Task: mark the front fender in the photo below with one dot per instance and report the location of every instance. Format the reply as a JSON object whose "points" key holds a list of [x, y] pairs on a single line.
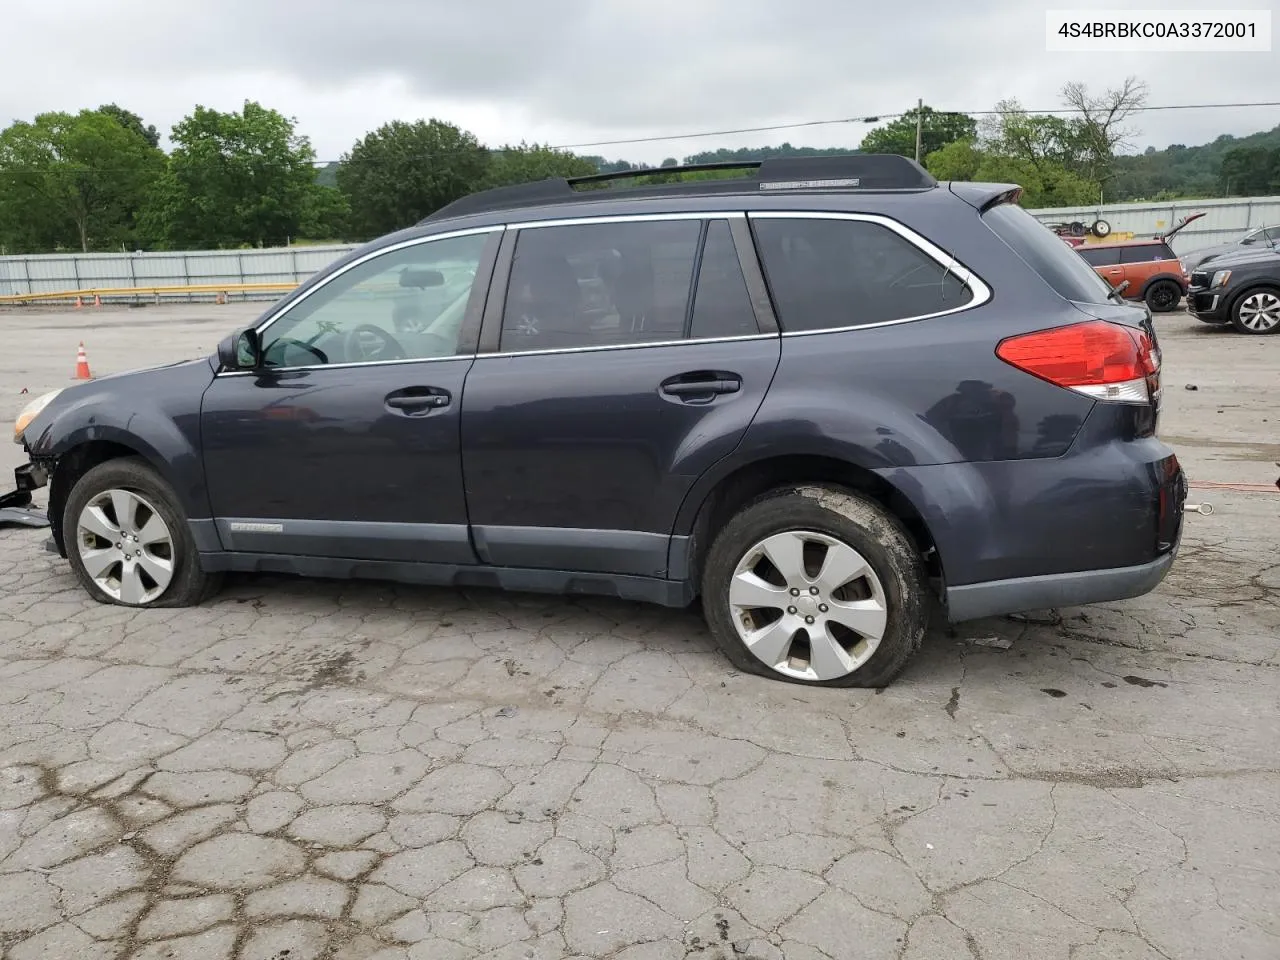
{"points": [[154, 413]]}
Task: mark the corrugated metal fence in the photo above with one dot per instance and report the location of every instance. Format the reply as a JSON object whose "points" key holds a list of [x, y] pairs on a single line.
{"points": [[51, 273], [1226, 220]]}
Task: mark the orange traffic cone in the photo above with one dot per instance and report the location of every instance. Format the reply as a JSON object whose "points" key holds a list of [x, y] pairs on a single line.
{"points": [[82, 365], [97, 300], [79, 304]]}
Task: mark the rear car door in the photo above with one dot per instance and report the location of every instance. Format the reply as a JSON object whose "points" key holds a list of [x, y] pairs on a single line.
{"points": [[620, 359], [345, 444]]}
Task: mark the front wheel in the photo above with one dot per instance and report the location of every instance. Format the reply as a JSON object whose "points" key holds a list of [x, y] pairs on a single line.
{"points": [[1258, 311], [817, 585], [128, 542], [1163, 296]]}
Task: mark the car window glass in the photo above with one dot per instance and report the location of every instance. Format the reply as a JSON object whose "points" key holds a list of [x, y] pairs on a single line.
{"points": [[829, 273], [721, 303], [1100, 256], [404, 304], [1144, 253], [599, 284], [1056, 263]]}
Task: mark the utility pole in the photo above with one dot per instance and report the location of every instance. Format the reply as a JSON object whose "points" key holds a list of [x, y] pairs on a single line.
{"points": [[919, 120]]}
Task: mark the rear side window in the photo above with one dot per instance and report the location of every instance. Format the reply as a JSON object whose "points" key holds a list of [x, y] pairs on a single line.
{"points": [[833, 273], [1100, 257], [1045, 253], [599, 284], [1145, 253], [721, 306]]}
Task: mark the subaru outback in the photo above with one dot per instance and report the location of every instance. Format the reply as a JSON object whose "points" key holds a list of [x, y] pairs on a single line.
{"points": [[828, 398]]}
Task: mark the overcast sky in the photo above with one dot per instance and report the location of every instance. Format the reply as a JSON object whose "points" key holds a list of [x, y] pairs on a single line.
{"points": [[573, 71]]}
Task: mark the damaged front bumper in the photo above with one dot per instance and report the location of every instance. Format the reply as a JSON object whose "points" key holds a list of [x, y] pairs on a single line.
{"points": [[15, 505]]}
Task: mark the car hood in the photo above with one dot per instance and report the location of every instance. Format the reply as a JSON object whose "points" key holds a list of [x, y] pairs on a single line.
{"points": [[1243, 257]]}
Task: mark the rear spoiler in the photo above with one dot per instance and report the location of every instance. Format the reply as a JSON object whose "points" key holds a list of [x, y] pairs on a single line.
{"points": [[983, 196]]}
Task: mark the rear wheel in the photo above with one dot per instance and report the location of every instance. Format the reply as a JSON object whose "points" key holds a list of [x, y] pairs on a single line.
{"points": [[128, 542], [1258, 311], [1163, 296], [816, 585]]}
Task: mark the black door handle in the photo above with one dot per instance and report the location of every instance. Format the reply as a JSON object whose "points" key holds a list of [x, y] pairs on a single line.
{"points": [[702, 386], [418, 400]]}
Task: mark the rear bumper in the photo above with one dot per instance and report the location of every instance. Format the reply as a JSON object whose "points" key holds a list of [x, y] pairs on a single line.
{"points": [[974, 600]]}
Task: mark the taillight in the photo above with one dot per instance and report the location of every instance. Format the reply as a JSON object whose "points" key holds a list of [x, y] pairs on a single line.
{"points": [[1102, 360]]}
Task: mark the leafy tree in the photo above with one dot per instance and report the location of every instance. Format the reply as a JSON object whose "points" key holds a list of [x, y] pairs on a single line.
{"points": [[1035, 138], [402, 172], [529, 162], [1044, 183], [937, 129], [73, 181], [325, 215], [234, 178], [1251, 171], [131, 121]]}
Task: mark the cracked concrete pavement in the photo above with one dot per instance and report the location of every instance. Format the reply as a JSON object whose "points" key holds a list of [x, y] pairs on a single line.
{"points": [[303, 770]]}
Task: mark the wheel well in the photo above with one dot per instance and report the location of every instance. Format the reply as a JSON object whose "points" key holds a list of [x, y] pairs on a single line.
{"points": [[71, 466], [745, 484], [1252, 288]]}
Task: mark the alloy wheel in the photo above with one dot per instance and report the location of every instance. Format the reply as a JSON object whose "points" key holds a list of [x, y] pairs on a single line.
{"points": [[125, 546], [808, 605], [1260, 311]]}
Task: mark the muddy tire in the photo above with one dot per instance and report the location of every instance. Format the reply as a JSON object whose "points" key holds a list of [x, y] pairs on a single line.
{"points": [[817, 585]]}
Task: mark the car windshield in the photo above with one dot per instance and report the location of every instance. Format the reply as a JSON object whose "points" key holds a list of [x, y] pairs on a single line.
{"points": [[1058, 264]]}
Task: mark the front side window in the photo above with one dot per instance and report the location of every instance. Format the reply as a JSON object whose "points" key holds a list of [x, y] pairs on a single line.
{"points": [[831, 273], [599, 285], [406, 304]]}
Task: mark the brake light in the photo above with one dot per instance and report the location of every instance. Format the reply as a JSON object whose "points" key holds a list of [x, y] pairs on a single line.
{"points": [[1102, 360]]}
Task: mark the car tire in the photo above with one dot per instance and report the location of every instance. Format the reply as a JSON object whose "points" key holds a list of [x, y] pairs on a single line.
{"points": [[1257, 311], [1163, 296], [149, 559], [1100, 228], [747, 593]]}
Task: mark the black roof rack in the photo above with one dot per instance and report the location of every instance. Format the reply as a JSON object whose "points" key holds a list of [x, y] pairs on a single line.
{"points": [[863, 171]]}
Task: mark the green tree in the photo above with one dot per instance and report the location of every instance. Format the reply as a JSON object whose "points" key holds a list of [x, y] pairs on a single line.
{"points": [[131, 121], [73, 181], [529, 162], [402, 172], [1251, 171], [325, 215], [1044, 183], [233, 179], [937, 129]]}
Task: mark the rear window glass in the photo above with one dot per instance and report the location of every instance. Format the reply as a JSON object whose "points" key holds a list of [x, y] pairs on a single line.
{"points": [[1059, 265]]}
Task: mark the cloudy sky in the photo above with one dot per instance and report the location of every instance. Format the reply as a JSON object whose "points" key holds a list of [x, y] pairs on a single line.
{"points": [[570, 72]]}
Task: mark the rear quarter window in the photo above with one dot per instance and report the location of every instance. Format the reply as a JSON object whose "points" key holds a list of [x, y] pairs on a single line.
{"points": [[1045, 253]]}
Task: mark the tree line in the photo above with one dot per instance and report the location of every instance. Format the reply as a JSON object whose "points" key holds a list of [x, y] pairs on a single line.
{"points": [[99, 180]]}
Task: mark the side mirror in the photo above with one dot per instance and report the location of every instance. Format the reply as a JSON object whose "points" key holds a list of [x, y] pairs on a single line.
{"points": [[241, 351], [1249, 240]]}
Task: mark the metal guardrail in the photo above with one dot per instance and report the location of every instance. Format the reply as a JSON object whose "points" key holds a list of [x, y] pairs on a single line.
{"points": [[155, 292]]}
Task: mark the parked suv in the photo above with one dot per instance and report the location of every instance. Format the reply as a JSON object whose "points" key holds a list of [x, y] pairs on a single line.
{"points": [[1242, 289], [1151, 267], [820, 396]]}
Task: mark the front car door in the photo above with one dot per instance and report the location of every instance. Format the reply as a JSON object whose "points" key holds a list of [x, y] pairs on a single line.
{"points": [[345, 443], [608, 381]]}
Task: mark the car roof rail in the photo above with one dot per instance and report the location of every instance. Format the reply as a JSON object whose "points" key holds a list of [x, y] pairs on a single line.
{"points": [[857, 171]]}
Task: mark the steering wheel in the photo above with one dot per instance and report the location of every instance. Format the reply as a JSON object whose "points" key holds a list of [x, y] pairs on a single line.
{"points": [[368, 343]]}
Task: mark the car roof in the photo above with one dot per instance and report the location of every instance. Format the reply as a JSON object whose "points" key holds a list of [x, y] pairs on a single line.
{"points": [[852, 172], [1108, 244]]}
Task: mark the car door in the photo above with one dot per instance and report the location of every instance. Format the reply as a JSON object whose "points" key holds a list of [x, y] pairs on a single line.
{"points": [[1105, 261], [345, 442], [607, 382]]}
